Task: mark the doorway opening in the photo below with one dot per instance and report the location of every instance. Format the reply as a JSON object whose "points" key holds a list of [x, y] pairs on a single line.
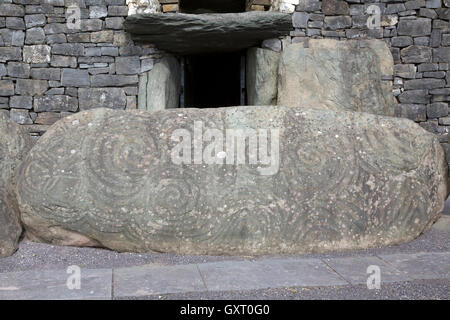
{"points": [[212, 6], [213, 80]]}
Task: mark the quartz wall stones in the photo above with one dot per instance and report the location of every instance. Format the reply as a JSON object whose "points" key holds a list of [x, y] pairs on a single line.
{"points": [[143, 6], [169, 6], [336, 75], [14, 145], [337, 180], [261, 77], [160, 87]]}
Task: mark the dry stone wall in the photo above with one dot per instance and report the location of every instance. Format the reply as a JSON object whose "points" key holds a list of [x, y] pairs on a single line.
{"points": [[51, 66]]}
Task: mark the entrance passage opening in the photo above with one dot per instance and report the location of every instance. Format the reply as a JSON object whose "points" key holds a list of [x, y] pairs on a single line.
{"points": [[211, 6], [214, 80]]}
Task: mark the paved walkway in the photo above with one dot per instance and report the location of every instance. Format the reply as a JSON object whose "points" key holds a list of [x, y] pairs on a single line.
{"points": [[223, 276]]}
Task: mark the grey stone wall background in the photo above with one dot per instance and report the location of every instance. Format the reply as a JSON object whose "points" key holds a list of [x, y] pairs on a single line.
{"points": [[48, 70]]}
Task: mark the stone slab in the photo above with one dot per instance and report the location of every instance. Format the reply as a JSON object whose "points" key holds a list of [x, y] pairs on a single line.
{"points": [[443, 224], [354, 270], [262, 77], [190, 33], [247, 275], [151, 280], [421, 265], [160, 88], [52, 285], [14, 145]]}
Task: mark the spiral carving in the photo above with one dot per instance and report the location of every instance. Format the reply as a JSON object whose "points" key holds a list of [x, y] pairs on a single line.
{"points": [[108, 175]]}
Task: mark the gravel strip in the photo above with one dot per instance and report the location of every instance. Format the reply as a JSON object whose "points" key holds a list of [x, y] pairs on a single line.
{"points": [[410, 290], [40, 256]]}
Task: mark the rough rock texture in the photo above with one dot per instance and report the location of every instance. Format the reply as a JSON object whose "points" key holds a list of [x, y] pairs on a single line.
{"points": [[160, 87], [262, 77], [14, 144], [346, 180], [189, 33], [337, 75]]}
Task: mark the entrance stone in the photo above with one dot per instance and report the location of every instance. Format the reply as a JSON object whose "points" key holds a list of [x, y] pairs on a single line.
{"points": [[336, 180]]}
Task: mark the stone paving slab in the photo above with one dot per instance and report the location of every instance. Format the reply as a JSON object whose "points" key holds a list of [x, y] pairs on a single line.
{"points": [[246, 275], [223, 276], [151, 280], [434, 265], [443, 224], [354, 270], [52, 285]]}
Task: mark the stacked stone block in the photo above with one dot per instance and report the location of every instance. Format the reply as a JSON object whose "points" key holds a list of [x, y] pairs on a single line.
{"points": [[50, 67]]}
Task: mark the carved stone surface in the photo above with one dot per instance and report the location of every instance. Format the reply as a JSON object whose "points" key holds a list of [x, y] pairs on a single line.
{"points": [[262, 77], [14, 144], [337, 75], [345, 181], [190, 33], [160, 87], [10, 228]]}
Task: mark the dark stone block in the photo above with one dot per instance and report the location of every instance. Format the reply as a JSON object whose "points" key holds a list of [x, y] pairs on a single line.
{"points": [[427, 13], [75, 78], [35, 36], [338, 22], [441, 54], [335, 7], [68, 49], [434, 74], [15, 23], [20, 116], [416, 54], [443, 13], [102, 97], [187, 34], [414, 112], [21, 102], [437, 110], [31, 87], [426, 83], [113, 80], [407, 71], [401, 41], [428, 67], [394, 8], [11, 10], [6, 88], [309, 5], [55, 103], [128, 65], [416, 28], [35, 20], [414, 4], [414, 96], [18, 70]]}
